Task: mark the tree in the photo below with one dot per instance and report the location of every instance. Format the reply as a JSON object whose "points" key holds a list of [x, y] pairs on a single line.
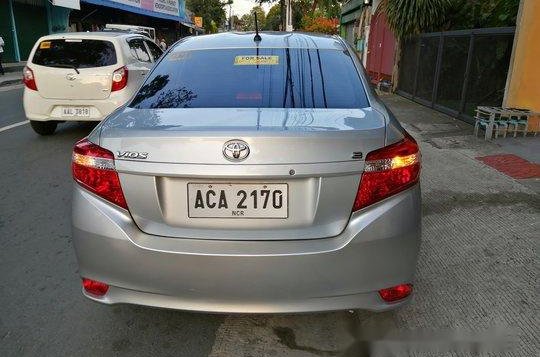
{"points": [[273, 18], [407, 18], [210, 10], [248, 20], [332, 8], [321, 25], [300, 10], [236, 22], [469, 14]]}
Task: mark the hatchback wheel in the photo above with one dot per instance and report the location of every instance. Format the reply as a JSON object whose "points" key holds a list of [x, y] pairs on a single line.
{"points": [[43, 127]]}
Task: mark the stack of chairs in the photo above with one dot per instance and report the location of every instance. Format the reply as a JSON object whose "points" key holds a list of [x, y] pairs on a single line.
{"points": [[502, 121]]}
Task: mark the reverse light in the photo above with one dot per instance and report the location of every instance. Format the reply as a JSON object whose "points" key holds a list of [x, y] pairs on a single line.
{"points": [[29, 79], [93, 168], [396, 293], [95, 287], [119, 79], [387, 171]]}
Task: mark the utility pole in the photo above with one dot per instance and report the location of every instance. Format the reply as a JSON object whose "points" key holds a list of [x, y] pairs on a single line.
{"points": [[288, 16], [14, 32], [230, 2]]}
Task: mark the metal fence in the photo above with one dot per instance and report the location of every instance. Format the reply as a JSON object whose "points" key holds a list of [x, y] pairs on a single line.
{"points": [[456, 71]]}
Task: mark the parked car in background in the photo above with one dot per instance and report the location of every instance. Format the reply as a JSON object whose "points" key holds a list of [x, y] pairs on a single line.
{"points": [[148, 31], [253, 177], [83, 76]]}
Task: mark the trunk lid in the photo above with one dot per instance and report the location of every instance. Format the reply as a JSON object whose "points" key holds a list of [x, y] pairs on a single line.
{"points": [[64, 83], [312, 154]]}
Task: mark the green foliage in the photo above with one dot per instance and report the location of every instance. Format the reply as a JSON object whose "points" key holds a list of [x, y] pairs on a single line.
{"points": [[331, 8], [248, 20], [303, 8], [273, 19], [407, 18], [210, 10], [467, 14], [410, 17]]}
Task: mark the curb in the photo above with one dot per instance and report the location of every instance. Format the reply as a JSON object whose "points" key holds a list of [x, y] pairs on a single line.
{"points": [[14, 67]]}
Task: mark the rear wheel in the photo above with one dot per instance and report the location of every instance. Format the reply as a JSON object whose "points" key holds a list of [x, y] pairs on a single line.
{"points": [[43, 127]]}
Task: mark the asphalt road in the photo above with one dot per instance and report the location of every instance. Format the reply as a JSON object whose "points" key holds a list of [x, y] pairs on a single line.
{"points": [[478, 268], [42, 309]]}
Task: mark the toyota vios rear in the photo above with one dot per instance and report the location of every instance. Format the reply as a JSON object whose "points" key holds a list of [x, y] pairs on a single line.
{"points": [[249, 176]]}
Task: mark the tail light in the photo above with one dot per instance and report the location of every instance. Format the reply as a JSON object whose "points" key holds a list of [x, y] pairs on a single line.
{"points": [[119, 79], [29, 79], [396, 293], [93, 168], [95, 287], [388, 171]]}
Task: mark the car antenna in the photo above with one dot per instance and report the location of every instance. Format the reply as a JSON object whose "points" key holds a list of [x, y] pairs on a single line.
{"points": [[257, 37]]}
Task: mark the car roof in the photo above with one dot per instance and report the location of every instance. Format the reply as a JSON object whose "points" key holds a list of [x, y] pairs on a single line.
{"points": [[90, 35], [269, 39]]}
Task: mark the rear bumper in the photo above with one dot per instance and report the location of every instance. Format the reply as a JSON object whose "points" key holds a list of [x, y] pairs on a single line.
{"points": [[378, 249], [42, 109]]}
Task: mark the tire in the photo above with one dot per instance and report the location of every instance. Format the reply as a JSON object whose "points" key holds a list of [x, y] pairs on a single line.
{"points": [[43, 127]]}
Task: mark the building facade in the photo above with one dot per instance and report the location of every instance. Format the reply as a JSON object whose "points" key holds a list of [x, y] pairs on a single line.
{"points": [[22, 22], [366, 29]]}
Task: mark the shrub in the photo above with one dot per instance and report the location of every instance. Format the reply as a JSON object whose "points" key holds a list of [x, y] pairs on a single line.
{"points": [[320, 24]]}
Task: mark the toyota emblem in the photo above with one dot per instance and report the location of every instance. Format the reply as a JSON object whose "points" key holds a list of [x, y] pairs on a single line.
{"points": [[235, 150]]}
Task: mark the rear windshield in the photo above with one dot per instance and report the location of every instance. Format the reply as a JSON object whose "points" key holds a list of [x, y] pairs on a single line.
{"points": [[78, 53], [247, 78]]}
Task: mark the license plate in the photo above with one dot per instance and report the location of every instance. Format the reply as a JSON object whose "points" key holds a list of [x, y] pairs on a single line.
{"points": [[242, 200], [75, 112]]}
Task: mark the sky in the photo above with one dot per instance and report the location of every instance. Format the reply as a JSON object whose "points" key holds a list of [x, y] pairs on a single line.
{"points": [[241, 7]]}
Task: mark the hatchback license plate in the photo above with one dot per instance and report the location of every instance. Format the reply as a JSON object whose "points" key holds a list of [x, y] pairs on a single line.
{"points": [[75, 112], [242, 200]]}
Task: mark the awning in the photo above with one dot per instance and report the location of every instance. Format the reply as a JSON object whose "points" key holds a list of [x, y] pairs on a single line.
{"points": [[139, 10]]}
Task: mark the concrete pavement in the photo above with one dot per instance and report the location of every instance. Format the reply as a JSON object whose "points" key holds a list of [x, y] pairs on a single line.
{"points": [[478, 265]]}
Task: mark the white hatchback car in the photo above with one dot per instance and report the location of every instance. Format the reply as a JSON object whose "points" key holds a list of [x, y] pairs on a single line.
{"points": [[83, 76]]}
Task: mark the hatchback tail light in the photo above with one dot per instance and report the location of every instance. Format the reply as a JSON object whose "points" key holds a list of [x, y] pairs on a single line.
{"points": [[29, 79], [95, 287], [387, 171], [119, 79], [93, 168]]}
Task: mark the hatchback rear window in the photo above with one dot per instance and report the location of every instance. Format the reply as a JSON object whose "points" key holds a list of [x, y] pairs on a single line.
{"points": [[78, 53], [251, 78]]}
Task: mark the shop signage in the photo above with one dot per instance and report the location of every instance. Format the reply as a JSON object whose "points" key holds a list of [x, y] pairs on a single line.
{"points": [[169, 7], [70, 4]]}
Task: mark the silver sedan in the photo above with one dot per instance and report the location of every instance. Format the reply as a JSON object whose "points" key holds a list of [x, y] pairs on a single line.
{"points": [[249, 175]]}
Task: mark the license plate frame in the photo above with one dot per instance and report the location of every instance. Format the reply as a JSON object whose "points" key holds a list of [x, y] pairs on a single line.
{"points": [[233, 200], [73, 111]]}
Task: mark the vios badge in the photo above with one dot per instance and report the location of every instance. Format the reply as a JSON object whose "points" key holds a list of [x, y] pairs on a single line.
{"points": [[132, 155], [235, 150]]}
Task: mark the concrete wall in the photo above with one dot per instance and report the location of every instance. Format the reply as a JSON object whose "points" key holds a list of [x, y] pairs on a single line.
{"points": [[523, 86]]}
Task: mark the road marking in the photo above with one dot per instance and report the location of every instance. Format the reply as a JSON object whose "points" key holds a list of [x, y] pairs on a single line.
{"points": [[14, 125]]}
